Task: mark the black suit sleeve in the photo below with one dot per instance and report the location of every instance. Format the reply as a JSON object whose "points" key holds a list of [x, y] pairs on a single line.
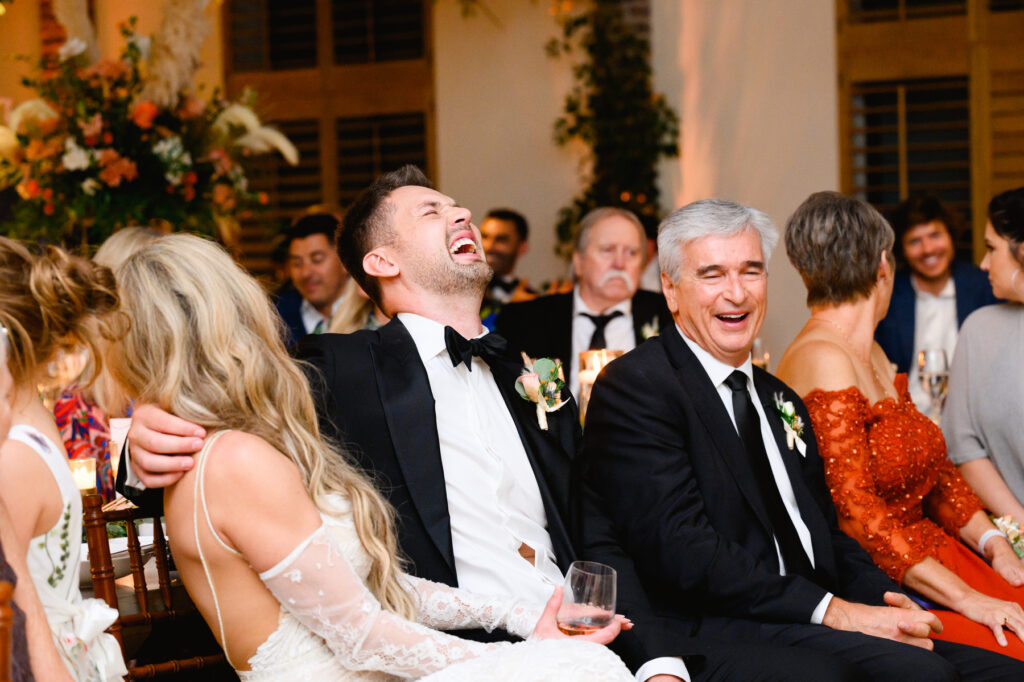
{"points": [[150, 500], [640, 468]]}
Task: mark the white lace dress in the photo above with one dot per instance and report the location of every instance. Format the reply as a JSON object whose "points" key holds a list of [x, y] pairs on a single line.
{"points": [[77, 624], [332, 628]]}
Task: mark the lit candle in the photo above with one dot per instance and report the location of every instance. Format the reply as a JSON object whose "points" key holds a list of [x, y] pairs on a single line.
{"points": [[118, 434], [84, 473]]}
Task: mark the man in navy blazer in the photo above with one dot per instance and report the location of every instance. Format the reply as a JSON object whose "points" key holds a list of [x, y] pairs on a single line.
{"points": [[933, 293]]}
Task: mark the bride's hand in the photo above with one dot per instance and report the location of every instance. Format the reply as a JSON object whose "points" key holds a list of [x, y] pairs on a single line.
{"points": [[1006, 563], [547, 626]]}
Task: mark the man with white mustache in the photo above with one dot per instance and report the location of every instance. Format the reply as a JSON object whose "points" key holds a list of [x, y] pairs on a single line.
{"points": [[605, 308]]}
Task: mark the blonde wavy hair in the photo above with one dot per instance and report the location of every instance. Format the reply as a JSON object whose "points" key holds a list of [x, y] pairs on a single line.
{"points": [[206, 346], [55, 301]]}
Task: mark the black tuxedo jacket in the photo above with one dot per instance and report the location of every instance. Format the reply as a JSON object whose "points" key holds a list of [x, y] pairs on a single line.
{"points": [[543, 327], [373, 396], [666, 484]]}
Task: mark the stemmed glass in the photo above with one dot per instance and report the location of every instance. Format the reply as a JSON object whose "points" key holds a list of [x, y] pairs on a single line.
{"points": [[933, 371], [588, 600]]}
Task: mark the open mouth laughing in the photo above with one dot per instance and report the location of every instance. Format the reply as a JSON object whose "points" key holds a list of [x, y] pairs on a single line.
{"points": [[464, 244]]}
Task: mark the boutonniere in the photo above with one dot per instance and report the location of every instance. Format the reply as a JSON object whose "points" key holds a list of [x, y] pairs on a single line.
{"points": [[650, 329], [541, 383], [792, 423]]}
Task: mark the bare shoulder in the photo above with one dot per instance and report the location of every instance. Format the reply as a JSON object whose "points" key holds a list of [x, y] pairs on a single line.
{"points": [[817, 363], [240, 464]]}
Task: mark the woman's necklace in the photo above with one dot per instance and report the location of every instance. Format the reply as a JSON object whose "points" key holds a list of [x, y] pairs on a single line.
{"points": [[865, 362]]}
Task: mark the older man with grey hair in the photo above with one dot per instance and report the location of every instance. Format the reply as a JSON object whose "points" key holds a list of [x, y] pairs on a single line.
{"points": [[605, 309], [702, 471]]}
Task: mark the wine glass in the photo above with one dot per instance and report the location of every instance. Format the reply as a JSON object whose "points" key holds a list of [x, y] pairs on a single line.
{"points": [[588, 600], [933, 371]]}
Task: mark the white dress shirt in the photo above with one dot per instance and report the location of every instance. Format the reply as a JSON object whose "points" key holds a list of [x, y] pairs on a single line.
{"points": [[618, 333], [935, 328], [494, 501], [311, 317], [718, 371]]}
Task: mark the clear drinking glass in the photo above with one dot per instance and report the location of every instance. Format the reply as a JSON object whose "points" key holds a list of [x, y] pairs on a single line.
{"points": [[588, 600], [933, 371], [759, 355]]}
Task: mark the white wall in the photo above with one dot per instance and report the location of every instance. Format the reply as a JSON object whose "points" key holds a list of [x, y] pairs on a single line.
{"points": [[497, 97], [754, 83]]}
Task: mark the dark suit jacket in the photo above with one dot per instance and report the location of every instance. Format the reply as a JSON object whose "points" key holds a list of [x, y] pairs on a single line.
{"points": [[666, 483], [543, 327], [895, 333], [289, 307], [373, 395]]}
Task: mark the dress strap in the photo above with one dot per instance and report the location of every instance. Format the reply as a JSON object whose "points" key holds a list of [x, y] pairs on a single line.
{"points": [[199, 497]]}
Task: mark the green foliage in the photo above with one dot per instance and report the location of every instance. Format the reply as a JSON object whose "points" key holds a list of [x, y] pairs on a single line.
{"points": [[614, 111]]}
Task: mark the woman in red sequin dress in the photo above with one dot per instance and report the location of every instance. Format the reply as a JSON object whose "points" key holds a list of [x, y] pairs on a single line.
{"points": [[894, 489]]}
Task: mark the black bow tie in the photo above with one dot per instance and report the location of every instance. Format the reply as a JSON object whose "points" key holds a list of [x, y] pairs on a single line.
{"points": [[461, 349]]}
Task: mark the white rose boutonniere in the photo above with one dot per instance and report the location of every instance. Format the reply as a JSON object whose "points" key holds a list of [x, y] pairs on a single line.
{"points": [[792, 423], [650, 329], [541, 383]]}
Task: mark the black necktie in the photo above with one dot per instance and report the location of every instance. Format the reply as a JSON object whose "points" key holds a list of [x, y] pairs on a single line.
{"points": [[508, 286], [749, 426], [461, 349], [597, 341]]}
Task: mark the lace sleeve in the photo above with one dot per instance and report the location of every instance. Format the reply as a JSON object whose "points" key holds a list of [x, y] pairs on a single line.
{"points": [[841, 420], [447, 608], [316, 584], [951, 502]]}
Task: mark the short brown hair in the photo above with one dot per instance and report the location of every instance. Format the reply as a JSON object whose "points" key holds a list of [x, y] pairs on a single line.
{"points": [[920, 209], [366, 224], [835, 243]]}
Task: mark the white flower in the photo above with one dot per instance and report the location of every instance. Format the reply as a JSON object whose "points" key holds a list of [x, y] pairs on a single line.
{"points": [[8, 143], [650, 329], [265, 138], [236, 115], [71, 48], [30, 110], [172, 152], [143, 43], [75, 158], [90, 186]]}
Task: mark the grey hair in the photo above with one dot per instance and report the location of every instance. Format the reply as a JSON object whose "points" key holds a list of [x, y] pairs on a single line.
{"points": [[835, 242], [597, 215], [705, 218]]}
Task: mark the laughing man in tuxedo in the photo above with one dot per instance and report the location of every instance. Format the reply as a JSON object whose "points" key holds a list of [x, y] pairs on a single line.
{"points": [[481, 492], [694, 471]]}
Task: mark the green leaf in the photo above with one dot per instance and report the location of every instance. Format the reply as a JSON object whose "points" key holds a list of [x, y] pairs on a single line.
{"points": [[544, 367]]}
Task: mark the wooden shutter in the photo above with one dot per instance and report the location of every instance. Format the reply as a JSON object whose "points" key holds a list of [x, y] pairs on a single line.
{"points": [[367, 31], [273, 34], [369, 146], [868, 11]]}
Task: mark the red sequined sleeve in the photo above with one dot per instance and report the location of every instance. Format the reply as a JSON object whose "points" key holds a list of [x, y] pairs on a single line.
{"points": [[951, 502], [841, 420]]}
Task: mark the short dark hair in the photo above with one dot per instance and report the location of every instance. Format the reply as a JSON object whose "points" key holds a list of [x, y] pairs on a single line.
{"points": [[919, 209], [310, 224], [836, 242], [366, 227], [514, 217], [1006, 213]]}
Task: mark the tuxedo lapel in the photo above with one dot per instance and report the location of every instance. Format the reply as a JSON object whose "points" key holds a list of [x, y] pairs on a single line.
{"points": [[409, 411], [550, 453], [722, 432]]}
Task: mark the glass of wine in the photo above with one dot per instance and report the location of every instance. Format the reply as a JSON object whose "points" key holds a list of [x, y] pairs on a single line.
{"points": [[933, 370], [759, 355], [588, 600]]}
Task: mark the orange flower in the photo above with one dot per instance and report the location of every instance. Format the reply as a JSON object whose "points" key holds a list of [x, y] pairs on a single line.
{"points": [[92, 127], [144, 113], [29, 188], [263, 198], [191, 107], [48, 209], [222, 197], [108, 138], [116, 168]]}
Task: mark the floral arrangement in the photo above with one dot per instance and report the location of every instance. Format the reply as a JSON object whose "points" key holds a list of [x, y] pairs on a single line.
{"points": [[541, 383], [792, 423], [104, 146]]}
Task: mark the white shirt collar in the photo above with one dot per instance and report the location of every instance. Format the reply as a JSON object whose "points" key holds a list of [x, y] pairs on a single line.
{"points": [[427, 334], [948, 291], [717, 370], [579, 307]]}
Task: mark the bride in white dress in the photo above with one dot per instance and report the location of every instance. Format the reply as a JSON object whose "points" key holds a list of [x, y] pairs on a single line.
{"points": [[289, 552]]}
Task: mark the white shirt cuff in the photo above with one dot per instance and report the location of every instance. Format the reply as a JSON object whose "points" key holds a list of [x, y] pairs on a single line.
{"points": [[820, 609], [666, 665], [130, 479]]}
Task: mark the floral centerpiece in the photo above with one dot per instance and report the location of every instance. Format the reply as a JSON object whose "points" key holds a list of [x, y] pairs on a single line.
{"points": [[100, 149]]}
